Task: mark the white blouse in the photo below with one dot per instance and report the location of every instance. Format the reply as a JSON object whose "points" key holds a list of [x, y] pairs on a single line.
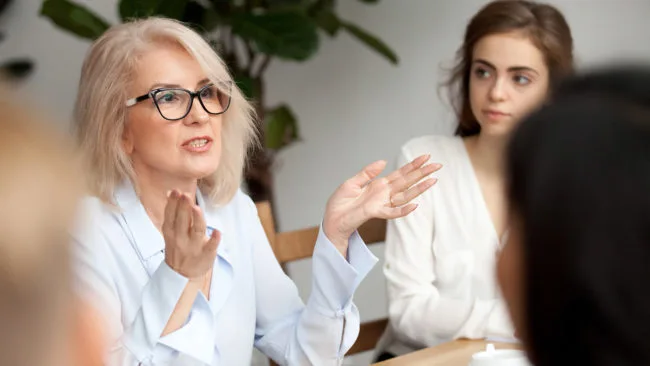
{"points": [[440, 260], [120, 267]]}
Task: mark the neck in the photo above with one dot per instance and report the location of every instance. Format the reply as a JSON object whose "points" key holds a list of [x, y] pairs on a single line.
{"points": [[488, 153], [152, 188]]}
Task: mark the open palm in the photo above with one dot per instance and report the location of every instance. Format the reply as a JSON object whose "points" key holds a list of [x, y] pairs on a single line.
{"points": [[365, 196]]}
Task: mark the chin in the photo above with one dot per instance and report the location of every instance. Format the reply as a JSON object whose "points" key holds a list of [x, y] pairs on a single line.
{"points": [[200, 172], [201, 168], [496, 129], [204, 174]]}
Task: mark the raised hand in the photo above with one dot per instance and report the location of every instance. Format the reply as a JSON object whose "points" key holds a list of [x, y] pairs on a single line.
{"points": [[363, 197], [188, 250]]}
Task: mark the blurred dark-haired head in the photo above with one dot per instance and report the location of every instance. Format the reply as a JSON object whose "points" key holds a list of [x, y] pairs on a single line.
{"points": [[575, 270]]}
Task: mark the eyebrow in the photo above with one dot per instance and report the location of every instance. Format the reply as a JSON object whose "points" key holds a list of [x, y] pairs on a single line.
{"points": [[511, 69], [166, 85]]}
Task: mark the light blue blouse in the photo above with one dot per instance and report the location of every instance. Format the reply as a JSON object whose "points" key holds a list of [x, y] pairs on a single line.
{"points": [[120, 268]]}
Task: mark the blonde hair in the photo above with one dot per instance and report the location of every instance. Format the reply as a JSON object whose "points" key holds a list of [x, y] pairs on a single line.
{"points": [[39, 191], [100, 111]]}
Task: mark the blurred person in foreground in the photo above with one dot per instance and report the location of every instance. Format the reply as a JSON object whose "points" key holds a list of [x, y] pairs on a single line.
{"points": [[42, 323], [574, 269]]}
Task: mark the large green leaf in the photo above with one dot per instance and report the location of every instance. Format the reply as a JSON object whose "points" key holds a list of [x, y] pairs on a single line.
{"points": [[172, 9], [287, 34], [283, 2], [321, 5], [280, 5], [210, 20], [194, 15], [328, 21], [322, 12], [247, 85], [131, 9], [222, 7], [281, 127], [74, 18], [371, 41]]}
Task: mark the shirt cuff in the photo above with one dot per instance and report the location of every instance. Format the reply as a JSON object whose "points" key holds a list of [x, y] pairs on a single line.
{"points": [[334, 278], [196, 337], [159, 299]]}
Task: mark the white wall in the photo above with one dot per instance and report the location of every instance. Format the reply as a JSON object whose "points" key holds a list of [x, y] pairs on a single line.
{"points": [[358, 108], [354, 107], [58, 55]]}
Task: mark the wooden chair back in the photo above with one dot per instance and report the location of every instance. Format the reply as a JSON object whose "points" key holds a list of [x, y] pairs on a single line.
{"points": [[299, 244]]}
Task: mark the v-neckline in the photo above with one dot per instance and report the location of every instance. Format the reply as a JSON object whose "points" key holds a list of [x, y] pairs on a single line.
{"points": [[479, 193]]}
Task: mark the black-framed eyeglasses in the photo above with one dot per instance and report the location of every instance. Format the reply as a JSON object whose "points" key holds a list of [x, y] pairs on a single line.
{"points": [[175, 103]]}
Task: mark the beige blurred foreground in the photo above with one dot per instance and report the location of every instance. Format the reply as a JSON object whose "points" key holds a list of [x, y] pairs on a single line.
{"points": [[41, 322]]}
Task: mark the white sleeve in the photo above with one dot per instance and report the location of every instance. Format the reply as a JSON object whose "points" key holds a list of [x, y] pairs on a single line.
{"points": [[323, 330], [140, 342]]}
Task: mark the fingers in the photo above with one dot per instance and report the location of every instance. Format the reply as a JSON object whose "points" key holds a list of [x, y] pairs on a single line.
{"points": [[368, 173], [183, 215], [404, 182], [402, 198], [397, 212], [407, 168], [170, 210], [198, 222], [213, 242]]}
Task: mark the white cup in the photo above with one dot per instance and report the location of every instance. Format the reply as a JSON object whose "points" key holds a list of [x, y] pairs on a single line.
{"points": [[501, 357]]}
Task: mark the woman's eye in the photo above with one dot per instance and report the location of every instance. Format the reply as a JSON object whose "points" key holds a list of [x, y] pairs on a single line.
{"points": [[521, 80], [207, 93], [482, 73], [166, 97]]}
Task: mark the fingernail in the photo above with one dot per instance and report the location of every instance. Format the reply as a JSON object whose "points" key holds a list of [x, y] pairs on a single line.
{"points": [[169, 193]]}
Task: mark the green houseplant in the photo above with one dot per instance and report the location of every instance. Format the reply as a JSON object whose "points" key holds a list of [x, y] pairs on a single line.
{"points": [[248, 34]]}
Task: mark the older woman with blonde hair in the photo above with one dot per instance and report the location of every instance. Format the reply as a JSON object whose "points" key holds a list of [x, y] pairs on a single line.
{"points": [[172, 250]]}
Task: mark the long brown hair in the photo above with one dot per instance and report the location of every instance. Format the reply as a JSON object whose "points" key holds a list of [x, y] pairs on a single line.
{"points": [[543, 24]]}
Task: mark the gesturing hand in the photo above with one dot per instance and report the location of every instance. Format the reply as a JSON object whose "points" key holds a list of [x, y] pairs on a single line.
{"points": [[363, 197], [188, 250]]}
